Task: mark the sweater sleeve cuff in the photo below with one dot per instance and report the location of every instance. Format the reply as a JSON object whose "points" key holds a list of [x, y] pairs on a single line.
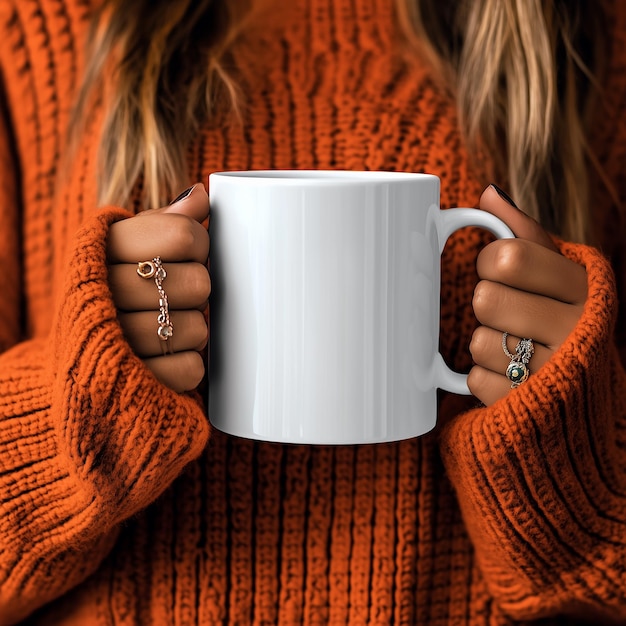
{"points": [[539, 475], [127, 435]]}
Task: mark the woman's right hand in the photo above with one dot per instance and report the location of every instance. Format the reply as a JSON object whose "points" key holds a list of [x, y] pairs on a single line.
{"points": [[176, 234]]}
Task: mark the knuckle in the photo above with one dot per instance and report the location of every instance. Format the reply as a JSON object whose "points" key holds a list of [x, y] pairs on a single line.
{"points": [[199, 328], [479, 344], [181, 231], [193, 367], [510, 256], [482, 296], [476, 380], [198, 282]]}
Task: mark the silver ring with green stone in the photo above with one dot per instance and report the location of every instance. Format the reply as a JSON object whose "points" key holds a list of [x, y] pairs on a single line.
{"points": [[517, 371]]}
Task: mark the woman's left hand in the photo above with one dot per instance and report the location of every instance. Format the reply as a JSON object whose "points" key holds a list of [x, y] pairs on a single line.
{"points": [[527, 289]]}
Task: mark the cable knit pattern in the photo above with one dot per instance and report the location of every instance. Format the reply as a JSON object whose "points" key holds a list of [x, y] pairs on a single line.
{"points": [[114, 509], [89, 438], [546, 471]]}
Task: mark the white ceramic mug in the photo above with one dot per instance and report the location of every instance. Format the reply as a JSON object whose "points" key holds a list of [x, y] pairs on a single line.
{"points": [[325, 304]]}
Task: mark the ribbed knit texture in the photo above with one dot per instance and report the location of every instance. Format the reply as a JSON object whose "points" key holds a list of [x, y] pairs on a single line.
{"points": [[115, 511]]}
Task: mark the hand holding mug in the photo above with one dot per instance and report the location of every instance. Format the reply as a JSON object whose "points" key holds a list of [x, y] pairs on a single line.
{"points": [[170, 247], [528, 290]]}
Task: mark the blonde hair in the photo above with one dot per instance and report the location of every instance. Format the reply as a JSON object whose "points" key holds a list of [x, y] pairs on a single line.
{"points": [[525, 76], [159, 68]]}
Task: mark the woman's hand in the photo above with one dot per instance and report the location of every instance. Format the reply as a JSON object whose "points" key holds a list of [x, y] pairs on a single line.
{"points": [[527, 289], [174, 233]]}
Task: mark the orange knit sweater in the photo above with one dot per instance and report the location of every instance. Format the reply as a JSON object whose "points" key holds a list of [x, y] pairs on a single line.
{"points": [[118, 507]]}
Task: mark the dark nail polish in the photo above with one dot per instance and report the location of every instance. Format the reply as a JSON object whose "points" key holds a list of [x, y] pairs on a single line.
{"points": [[183, 195], [505, 196]]}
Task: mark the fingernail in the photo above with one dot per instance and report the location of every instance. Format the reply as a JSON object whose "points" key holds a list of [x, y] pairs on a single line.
{"points": [[505, 196], [183, 195]]}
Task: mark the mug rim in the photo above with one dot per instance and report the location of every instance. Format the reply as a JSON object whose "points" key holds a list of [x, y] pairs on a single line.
{"points": [[308, 176]]}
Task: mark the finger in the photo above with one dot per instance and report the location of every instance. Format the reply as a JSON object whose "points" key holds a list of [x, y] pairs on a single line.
{"points": [[531, 267], [182, 371], [173, 237], [140, 329], [497, 202], [188, 286], [174, 232], [524, 314], [487, 352], [487, 386], [193, 203]]}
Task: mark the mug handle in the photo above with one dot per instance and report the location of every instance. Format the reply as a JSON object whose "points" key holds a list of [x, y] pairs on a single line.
{"points": [[449, 221]]}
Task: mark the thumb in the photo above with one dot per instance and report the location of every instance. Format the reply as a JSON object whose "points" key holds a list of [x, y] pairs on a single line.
{"points": [[498, 203], [193, 202]]}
